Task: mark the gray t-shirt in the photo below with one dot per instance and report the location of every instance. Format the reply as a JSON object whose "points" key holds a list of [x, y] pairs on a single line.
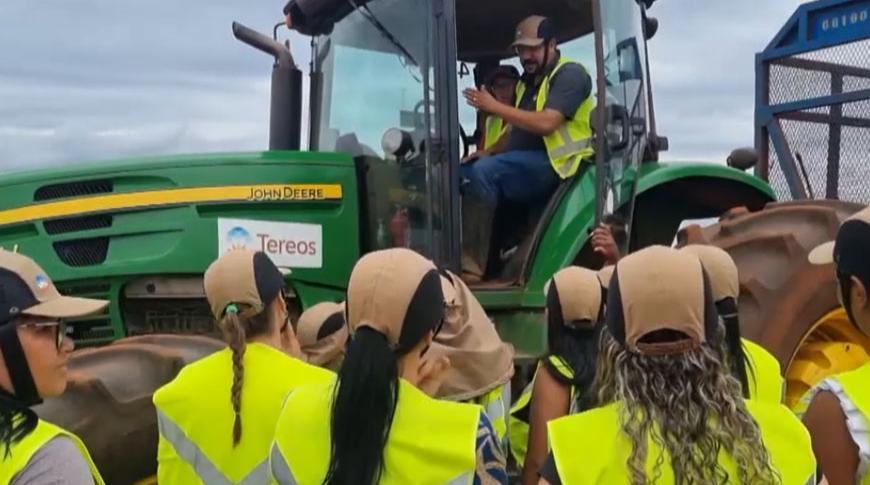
{"points": [[58, 462], [568, 89]]}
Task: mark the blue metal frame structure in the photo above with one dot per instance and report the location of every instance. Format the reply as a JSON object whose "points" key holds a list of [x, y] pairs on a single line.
{"points": [[814, 26]]}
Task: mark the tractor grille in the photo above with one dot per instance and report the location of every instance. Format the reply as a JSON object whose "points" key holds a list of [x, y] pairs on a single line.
{"points": [[85, 223], [833, 141], [95, 329], [73, 189], [83, 252]]}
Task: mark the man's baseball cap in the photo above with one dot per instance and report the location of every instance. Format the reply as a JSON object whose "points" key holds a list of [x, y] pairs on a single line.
{"points": [[660, 302], [534, 31], [720, 268], [851, 250], [574, 297], [242, 277], [396, 292], [25, 289]]}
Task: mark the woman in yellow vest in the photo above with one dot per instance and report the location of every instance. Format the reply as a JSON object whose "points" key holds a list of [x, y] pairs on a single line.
{"points": [[34, 348], [671, 411], [217, 417], [481, 364], [838, 415], [323, 334], [502, 83], [374, 425], [563, 380], [757, 369]]}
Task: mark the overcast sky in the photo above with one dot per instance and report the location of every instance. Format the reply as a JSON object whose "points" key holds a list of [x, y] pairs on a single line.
{"points": [[84, 80]]}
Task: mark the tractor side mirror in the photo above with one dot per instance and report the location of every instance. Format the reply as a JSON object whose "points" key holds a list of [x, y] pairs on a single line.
{"points": [[743, 158]]}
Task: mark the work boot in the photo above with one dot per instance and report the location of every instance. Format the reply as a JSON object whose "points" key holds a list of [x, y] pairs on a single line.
{"points": [[476, 232]]}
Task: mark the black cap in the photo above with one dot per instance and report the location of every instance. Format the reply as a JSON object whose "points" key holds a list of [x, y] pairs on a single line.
{"points": [[851, 250]]}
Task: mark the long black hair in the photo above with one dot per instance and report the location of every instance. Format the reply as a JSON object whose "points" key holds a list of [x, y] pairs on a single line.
{"points": [[16, 422], [367, 389], [739, 364], [576, 344]]}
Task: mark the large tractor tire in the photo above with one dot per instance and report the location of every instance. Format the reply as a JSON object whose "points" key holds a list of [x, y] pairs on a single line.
{"points": [[787, 304], [108, 399]]}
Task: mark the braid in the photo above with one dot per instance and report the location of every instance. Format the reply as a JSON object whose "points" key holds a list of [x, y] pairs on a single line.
{"points": [[234, 334]]}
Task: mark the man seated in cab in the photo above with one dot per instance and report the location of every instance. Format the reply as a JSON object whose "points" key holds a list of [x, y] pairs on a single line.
{"points": [[550, 135]]}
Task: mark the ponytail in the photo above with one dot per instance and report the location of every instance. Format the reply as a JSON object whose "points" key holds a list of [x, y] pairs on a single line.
{"points": [[364, 404], [234, 335], [16, 422]]}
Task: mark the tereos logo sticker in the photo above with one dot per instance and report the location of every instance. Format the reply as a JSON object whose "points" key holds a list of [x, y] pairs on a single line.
{"points": [[288, 244]]}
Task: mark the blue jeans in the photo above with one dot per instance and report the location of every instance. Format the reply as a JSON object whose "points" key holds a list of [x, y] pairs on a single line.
{"points": [[516, 176]]}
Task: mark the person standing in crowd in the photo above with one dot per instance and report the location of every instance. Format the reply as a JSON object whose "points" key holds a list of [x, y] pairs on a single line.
{"points": [[323, 334], [671, 411], [374, 424], [562, 383], [34, 349], [757, 369], [481, 364], [838, 415], [217, 417]]}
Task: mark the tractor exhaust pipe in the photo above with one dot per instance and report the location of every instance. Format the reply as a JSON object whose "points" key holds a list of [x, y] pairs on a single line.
{"points": [[285, 118]]}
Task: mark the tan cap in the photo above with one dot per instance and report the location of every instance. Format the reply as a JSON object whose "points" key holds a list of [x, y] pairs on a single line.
{"points": [[392, 289], [242, 277], [25, 289], [660, 288], [575, 293], [605, 274], [824, 253], [533, 31], [322, 333], [721, 270]]}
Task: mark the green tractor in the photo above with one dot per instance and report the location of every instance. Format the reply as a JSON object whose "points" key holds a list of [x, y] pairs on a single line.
{"points": [[386, 132]]}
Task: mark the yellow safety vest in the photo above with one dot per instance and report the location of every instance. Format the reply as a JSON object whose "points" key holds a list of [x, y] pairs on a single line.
{"points": [[195, 416], [431, 442], [854, 384], [591, 448], [763, 373], [496, 404], [518, 437], [495, 128], [23, 451], [572, 141]]}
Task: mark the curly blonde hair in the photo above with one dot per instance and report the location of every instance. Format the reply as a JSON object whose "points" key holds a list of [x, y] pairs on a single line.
{"points": [[691, 408]]}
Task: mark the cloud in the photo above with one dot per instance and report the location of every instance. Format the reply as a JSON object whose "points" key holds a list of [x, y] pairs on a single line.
{"points": [[85, 80]]}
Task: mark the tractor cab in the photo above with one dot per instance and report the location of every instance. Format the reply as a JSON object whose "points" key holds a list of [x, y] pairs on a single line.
{"points": [[386, 83]]}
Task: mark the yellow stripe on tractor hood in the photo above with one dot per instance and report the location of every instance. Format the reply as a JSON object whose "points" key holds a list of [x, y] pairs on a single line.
{"points": [[140, 200]]}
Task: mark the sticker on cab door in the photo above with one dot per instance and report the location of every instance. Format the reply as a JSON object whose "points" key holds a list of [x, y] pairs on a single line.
{"points": [[288, 244]]}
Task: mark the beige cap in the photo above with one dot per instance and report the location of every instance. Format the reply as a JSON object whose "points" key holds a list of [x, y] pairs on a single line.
{"points": [[533, 31], [824, 253], [660, 288], [242, 277], [25, 289], [391, 289], [322, 333], [721, 270], [579, 296], [605, 274]]}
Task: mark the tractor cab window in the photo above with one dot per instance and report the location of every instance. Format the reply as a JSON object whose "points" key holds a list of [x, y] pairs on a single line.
{"points": [[373, 97]]}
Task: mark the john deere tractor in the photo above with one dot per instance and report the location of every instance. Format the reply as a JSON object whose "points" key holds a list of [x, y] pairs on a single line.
{"points": [[386, 132]]}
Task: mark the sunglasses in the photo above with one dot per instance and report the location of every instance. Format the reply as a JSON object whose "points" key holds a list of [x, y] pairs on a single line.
{"points": [[61, 330]]}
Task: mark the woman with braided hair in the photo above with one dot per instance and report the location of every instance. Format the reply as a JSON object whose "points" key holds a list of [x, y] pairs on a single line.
{"points": [[671, 412], [217, 418]]}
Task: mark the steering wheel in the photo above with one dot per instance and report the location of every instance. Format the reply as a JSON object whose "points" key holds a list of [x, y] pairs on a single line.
{"points": [[463, 136]]}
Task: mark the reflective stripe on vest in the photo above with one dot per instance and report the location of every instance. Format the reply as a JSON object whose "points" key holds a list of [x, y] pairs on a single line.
{"points": [[571, 143], [495, 128], [430, 442], [22, 452], [854, 384], [205, 469], [763, 373], [604, 458], [195, 416]]}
